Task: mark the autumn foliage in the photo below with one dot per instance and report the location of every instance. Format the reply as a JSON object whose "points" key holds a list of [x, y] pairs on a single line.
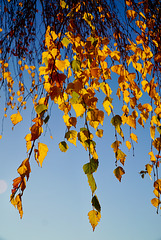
{"points": [[76, 67]]}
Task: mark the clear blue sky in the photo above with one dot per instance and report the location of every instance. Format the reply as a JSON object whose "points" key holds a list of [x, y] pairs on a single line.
{"points": [[57, 198]]}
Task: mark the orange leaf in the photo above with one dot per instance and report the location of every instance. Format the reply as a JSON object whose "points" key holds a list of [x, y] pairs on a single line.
{"points": [[16, 118]]}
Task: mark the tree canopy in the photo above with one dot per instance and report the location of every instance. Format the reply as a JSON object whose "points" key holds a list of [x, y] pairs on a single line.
{"points": [[67, 53]]}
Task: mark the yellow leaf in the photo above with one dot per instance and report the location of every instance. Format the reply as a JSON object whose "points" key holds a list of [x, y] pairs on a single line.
{"points": [[155, 202], [16, 118], [71, 136], [133, 137], [152, 132], [79, 109], [131, 121], [157, 194], [131, 14], [157, 185], [149, 169], [0, 136], [94, 217], [152, 157], [128, 145], [117, 69], [63, 146], [62, 64], [99, 133], [42, 152], [18, 204]]}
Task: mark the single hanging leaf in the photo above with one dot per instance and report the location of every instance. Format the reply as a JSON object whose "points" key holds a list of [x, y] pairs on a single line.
{"points": [[91, 182], [40, 108], [118, 172], [79, 109], [155, 202], [99, 133], [75, 64], [63, 146], [133, 137], [96, 204], [16, 118], [90, 167], [71, 136], [94, 218], [152, 132], [128, 144], [149, 169], [116, 121], [42, 152]]}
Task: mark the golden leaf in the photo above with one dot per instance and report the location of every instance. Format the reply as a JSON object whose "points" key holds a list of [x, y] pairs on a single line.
{"points": [[94, 217], [16, 118], [149, 169], [133, 137], [79, 109], [71, 136], [99, 133], [42, 152], [157, 194], [152, 157], [155, 202], [128, 145], [152, 132], [18, 204], [131, 14]]}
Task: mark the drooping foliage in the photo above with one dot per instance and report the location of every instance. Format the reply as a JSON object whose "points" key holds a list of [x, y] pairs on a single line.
{"points": [[70, 50]]}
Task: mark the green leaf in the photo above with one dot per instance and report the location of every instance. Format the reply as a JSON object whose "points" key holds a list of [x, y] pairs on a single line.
{"points": [[76, 64], [75, 98], [90, 167], [91, 182], [65, 42], [40, 108], [116, 121], [96, 204], [63, 146]]}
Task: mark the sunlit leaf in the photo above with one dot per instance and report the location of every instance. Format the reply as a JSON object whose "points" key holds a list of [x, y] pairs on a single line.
{"points": [[94, 217], [134, 137], [149, 169], [16, 118], [128, 144], [155, 202], [99, 133], [40, 108], [79, 109], [76, 64], [92, 182], [42, 152], [63, 146], [118, 172], [157, 144], [71, 136]]}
